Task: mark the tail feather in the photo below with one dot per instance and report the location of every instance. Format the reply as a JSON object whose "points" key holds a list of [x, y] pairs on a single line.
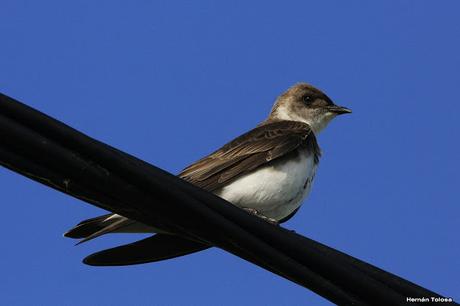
{"points": [[115, 225], [95, 219], [151, 249], [88, 227]]}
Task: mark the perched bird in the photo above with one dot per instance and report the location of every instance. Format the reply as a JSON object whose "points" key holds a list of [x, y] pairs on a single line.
{"points": [[267, 171]]}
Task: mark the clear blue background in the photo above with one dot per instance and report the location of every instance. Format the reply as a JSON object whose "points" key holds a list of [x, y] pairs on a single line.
{"points": [[149, 77]]}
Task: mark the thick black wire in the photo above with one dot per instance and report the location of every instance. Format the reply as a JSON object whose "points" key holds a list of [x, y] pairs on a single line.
{"points": [[54, 154]]}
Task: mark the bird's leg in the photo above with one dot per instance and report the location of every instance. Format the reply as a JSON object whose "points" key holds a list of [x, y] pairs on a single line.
{"points": [[256, 213]]}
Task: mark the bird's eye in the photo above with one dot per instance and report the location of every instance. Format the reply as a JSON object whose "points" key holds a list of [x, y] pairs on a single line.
{"points": [[307, 99]]}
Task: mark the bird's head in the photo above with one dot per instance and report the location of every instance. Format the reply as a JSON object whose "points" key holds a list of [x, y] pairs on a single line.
{"points": [[303, 102]]}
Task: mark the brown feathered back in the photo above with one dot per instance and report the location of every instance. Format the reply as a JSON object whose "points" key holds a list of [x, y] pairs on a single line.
{"points": [[256, 148]]}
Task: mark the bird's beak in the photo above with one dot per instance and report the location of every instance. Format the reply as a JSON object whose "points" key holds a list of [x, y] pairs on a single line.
{"points": [[338, 109]]}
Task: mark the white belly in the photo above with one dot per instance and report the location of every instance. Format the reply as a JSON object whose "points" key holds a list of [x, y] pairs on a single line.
{"points": [[275, 190]]}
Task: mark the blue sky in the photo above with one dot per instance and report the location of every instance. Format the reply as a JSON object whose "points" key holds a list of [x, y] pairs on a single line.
{"points": [[147, 77]]}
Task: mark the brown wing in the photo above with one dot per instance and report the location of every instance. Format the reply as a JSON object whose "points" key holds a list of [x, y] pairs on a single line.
{"points": [[249, 151]]}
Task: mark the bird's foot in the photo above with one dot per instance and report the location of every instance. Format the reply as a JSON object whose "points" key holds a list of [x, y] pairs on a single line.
{"points": [[258, 214]]}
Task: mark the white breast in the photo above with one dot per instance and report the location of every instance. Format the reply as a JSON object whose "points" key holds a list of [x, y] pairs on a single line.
{"points": [[275, 190]]}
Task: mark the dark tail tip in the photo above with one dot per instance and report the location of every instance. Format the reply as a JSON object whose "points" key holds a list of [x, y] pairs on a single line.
{"points": [[87, 227]]}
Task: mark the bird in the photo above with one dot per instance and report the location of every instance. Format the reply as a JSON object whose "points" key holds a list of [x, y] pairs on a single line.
{"points": [[267, 171]]}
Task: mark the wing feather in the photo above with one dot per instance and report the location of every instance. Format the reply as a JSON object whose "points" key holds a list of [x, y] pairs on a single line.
{"points": [[257, 147]]}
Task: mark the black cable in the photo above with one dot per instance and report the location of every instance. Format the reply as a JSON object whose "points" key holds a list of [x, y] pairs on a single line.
{"points": [[48, 151]]}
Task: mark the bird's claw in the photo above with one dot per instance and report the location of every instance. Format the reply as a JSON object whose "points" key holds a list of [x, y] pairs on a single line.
{"points": [[256, 213]]}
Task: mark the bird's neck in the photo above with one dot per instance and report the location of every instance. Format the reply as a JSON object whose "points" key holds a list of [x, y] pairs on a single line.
{"points": [[317, 123]]}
